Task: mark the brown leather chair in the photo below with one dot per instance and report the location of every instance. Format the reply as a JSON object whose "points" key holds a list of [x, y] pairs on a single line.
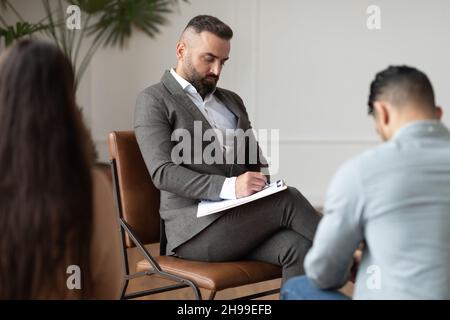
{"points": [[140, 224]]}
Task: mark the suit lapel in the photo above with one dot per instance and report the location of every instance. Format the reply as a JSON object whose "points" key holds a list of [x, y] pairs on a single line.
{"points": [[182, 98], [178, 93], [232, 106], [242, 123]]}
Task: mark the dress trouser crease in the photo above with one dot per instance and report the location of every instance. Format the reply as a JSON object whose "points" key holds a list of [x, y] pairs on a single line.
{"points": [[278, 229]]}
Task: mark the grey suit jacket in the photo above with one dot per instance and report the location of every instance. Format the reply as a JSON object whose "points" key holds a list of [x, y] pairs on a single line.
{"points": [[161, 109]]}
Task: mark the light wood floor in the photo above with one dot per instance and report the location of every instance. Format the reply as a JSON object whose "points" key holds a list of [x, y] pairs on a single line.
{"points": [[145, 283]]}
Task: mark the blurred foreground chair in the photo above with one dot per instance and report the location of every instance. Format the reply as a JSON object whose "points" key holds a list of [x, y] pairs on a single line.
{"points": [[137, 202]]}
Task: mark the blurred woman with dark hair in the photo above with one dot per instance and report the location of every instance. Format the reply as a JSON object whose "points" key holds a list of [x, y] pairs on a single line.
{"points": [[55, 209]]}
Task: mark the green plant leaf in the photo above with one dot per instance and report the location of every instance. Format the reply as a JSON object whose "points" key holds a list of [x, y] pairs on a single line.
{"points": [[119, 17], [20, 30], [91, 6], [113, 22]]}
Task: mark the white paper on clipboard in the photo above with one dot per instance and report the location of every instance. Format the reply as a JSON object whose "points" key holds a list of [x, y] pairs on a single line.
{"points": [[209, 207]]}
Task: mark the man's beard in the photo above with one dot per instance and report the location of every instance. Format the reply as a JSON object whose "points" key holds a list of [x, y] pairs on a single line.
{"points": [[204, 85]]}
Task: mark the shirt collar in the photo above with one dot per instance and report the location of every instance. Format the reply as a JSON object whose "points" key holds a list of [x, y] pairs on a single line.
{"points": [[186, 85], [183, 82], [420, 129]]}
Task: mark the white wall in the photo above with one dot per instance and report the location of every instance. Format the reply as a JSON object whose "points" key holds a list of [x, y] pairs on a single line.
{"points": [[303, 67]]}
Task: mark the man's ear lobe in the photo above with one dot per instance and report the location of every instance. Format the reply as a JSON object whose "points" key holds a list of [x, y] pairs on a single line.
{"points": [[438, 112], [180, 49]]}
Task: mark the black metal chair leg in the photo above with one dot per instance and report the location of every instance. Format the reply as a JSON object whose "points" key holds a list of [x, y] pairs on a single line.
{"points": [[124, 289], [212, 295], [198, 294]]}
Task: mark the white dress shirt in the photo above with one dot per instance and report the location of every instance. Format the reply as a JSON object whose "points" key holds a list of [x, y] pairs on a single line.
{"points": [[219, 117]]}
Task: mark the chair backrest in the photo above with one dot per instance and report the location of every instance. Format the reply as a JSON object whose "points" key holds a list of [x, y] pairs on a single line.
{"points": [[138, 199]]}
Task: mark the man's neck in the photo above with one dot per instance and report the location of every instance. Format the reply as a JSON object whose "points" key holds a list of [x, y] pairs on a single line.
{"points": [[180, 72], [407, 119]]}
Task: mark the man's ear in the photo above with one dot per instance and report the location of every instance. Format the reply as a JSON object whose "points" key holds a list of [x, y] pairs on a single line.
{"points": [[438, 112], [381, 112], [180, 50]]}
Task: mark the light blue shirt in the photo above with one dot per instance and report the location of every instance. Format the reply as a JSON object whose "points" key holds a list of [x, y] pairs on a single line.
{"points": [[396, 197]]}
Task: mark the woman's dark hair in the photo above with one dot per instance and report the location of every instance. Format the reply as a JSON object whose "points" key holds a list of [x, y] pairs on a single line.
{"points": [[45, 177], [401, 84], [211, 24]]}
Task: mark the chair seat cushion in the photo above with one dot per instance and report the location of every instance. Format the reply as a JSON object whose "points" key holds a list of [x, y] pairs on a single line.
{"points": [[216, 275]]}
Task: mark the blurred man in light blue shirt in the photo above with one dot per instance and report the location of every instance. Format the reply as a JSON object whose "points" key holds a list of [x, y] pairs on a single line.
{"points": [[395, 198]]}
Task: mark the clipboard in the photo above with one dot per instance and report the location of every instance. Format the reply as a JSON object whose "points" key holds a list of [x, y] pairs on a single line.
{"points": [[209, 207]]}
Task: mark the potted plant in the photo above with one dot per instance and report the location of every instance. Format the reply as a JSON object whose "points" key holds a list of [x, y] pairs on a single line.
{"points": [[107, 23]]}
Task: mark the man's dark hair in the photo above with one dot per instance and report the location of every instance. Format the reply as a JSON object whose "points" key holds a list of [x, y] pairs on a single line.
{"points": [[400, 85], [211, 24]]}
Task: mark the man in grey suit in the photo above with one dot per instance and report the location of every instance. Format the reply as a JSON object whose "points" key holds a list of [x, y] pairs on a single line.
{"points": [[278, 229]]}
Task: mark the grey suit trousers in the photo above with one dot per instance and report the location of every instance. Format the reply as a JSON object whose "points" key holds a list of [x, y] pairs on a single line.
{"points": [[278, 229]]}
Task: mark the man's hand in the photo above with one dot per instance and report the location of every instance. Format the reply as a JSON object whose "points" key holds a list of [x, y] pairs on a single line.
{"points": [[357, 256], [249, 183]]}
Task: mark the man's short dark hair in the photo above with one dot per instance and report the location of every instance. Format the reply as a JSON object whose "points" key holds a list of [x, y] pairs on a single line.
{"points": [[400, 85], [211, 24]]}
